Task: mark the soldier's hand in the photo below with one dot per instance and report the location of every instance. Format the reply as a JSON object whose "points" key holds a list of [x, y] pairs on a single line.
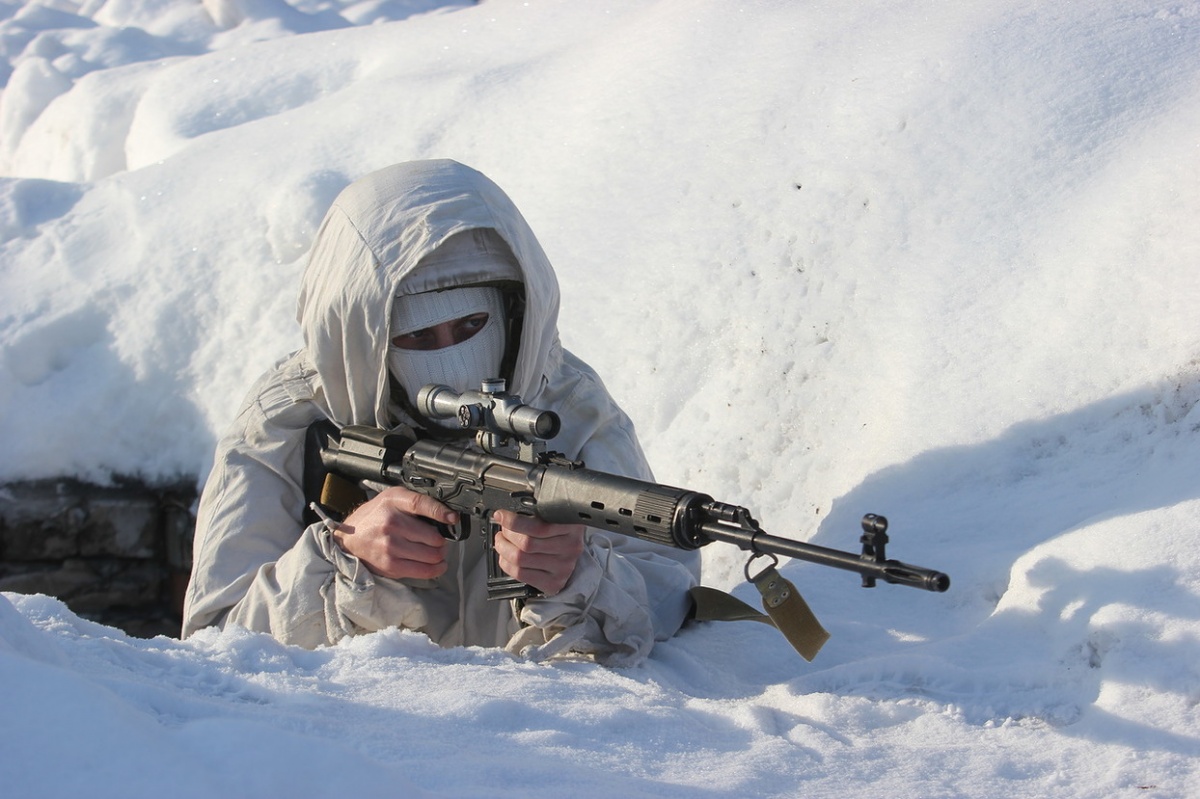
{"points": [[393, 535], [537, 552]]}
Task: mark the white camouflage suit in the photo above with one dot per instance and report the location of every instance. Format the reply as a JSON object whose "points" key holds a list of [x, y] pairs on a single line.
{"points": [[258, 566]]}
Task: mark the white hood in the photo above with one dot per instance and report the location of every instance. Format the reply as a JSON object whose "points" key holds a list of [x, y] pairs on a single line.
{"points": [[368, 250]]}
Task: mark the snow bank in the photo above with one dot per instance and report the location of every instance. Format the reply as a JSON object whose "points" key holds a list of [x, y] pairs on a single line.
{"points": [[935, 263]]}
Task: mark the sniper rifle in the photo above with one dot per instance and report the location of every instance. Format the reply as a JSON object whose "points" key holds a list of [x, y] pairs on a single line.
{"points": [[508, 467]]}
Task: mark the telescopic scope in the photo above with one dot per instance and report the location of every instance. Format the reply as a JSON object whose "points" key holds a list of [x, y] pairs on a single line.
{"points": [[491, 409]]}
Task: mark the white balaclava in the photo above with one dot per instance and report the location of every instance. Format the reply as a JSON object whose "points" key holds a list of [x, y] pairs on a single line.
{"points": [[461, 366]]}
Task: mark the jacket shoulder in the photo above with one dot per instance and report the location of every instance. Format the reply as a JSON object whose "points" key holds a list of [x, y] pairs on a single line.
{"points": [[595, 427], [285, 396]]}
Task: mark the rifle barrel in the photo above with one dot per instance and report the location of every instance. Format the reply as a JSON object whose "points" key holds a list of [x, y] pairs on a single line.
{"points": [[890, 571]]}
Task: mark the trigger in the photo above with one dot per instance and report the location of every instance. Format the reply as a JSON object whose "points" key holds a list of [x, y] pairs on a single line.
{"points": [[454, 532]]}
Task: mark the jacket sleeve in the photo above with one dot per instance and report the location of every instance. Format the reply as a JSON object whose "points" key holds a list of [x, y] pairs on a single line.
{"points": [[255, 563], [626, 593], [613, 609]]}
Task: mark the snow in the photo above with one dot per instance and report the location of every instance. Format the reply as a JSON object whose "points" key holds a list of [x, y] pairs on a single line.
{"points": [[934, 261]]}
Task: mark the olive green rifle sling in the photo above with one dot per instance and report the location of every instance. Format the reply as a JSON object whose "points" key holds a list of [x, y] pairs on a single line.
{"points": [[785, 610]]}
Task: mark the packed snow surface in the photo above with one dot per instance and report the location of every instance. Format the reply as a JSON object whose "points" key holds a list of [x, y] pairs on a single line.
{"points": [[938, 261]]}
